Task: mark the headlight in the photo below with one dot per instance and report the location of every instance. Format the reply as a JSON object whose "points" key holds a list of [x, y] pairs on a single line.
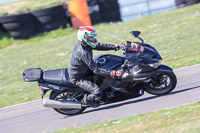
{"points": [[156, 65]]}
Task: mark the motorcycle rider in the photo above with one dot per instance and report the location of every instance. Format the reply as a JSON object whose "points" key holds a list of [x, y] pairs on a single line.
{"points": [[82, 63]]}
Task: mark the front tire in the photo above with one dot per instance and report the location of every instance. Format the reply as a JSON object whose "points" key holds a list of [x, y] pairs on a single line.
{"points": [[66, 95], [161, 84]]}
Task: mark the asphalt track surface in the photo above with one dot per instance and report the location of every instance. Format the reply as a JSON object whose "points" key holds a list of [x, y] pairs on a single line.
{"points": [[32, 117]]}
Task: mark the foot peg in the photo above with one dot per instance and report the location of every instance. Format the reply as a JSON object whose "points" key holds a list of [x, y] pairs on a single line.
{"points": [[93, 104]]}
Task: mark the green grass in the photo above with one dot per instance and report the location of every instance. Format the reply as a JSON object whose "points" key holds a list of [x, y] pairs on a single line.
{"points": [[184, 119], [175, 34], [7, 40], [24, 6]]}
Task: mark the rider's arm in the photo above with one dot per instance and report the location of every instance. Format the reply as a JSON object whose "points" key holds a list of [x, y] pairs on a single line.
{"points": [[93, 66], [104, 47]]}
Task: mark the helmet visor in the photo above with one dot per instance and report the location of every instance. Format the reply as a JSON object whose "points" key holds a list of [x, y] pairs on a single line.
{"points": [[92, 39]]}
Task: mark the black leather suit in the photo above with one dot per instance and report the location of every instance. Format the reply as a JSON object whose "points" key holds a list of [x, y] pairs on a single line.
{"points": [[82, 63]]}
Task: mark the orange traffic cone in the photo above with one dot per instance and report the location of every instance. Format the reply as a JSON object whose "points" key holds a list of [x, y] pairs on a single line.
{"points": [[79, 13]]}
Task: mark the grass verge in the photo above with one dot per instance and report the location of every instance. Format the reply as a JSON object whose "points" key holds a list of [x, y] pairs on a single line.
{"points": [[175, 34], [184, 119], [24, 6]]}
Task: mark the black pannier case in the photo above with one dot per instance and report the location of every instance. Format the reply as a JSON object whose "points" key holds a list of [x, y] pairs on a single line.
{"points": [[32, 74]]}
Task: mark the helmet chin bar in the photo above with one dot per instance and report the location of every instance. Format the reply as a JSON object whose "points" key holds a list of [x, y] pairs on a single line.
{"points": [[93, 45]]}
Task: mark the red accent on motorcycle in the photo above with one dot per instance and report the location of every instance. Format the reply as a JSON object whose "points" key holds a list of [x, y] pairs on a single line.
{"points": [[41, 91], [112, 74]]}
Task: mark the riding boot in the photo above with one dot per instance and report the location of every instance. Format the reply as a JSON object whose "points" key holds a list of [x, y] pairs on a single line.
{"points": [[86, 101]]}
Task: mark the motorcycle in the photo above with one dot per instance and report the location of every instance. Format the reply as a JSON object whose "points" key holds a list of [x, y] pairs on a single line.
{"points": [[143, 72]]}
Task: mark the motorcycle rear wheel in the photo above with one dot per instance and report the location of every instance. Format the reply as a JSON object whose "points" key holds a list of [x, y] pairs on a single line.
{"points": [[161, 84], [65, 95]]}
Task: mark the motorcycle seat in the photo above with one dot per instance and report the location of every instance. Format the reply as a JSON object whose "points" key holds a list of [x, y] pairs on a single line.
{"points": [[58, 77]]}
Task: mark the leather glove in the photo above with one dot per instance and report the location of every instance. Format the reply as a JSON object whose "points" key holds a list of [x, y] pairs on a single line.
{"points": [[118, 73], [120, 46]]}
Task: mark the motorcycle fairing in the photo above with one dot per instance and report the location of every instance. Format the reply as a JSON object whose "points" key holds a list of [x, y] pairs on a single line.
{"points": [[49, 86], [163, 68]]}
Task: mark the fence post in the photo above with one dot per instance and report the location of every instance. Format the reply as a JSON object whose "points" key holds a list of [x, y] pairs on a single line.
{"points": [[148, 6]]}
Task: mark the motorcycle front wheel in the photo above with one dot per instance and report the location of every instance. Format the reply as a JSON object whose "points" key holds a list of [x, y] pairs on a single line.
{"points": [[65, 95], [161, 84]]}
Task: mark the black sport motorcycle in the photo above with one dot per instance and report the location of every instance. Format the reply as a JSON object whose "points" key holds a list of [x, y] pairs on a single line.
{"points": [[142, 68]]}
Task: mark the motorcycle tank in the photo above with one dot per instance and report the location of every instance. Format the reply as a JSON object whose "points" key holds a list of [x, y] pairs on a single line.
{"points": [[109, 61]]}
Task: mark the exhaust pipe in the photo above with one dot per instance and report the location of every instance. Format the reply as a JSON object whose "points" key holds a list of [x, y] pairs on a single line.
{"points": [[61, 104]]}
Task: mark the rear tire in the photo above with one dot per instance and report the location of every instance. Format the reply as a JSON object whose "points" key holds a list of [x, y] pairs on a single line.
{"points": [[55, 95], [161, 84]]}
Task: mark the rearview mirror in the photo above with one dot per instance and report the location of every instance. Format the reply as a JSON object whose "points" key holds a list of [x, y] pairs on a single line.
{"points": [[135, 33]]}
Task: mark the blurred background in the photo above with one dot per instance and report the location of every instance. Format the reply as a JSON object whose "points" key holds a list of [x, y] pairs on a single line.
{"points": [[42, 34], [46, 16]]}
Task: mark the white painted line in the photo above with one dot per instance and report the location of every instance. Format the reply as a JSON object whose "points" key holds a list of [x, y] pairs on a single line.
{"points": [[15, 105], [187, 67]]}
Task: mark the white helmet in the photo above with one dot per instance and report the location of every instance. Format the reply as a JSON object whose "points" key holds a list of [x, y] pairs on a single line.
{"points": [[88, 35]]}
